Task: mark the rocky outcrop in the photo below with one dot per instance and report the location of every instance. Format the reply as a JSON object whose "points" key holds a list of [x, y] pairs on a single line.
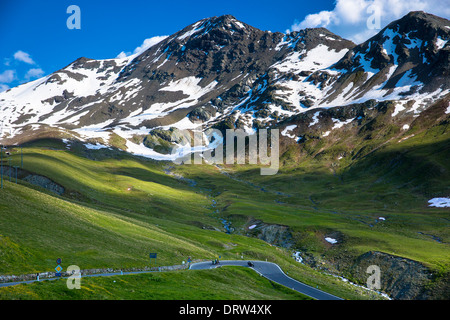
{"points": [[274, 234], [414, 45], [33, 179], [163, 141], [400, 278], [44, 182]]}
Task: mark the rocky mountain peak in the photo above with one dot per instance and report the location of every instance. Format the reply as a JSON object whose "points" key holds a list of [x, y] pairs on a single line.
{"points": [[222, 26], [418, 20], [227, 21], [309, 38], [411, 52], [229, 74]]}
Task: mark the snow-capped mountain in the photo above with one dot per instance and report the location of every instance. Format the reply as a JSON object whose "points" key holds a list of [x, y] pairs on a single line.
{"points": [[220, 72], [407, 60]]}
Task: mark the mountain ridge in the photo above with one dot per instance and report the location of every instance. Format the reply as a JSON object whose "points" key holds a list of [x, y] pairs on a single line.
{"points": [[220, 72]]}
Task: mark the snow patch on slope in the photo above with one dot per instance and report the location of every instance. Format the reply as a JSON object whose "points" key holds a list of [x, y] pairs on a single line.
{"points": [[439, 202]]}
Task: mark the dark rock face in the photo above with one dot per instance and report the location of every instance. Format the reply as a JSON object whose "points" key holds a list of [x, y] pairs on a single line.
{"points": [[413, 44], [44, 182], [274, 234], [163, 141], [201, 114], [401, 278], [219, 49], [310, 38]]}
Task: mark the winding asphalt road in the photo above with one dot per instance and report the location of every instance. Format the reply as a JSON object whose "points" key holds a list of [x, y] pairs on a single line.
{"points": [[268, 270], [274, 273]]}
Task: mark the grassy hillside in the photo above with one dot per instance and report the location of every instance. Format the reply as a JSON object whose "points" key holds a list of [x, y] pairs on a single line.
{"points": [[100, 231], [223, 284], [117, 208]]}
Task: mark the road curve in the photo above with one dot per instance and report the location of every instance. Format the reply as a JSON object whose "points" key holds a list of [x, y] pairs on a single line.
{"points": [[269, 270], [272, 272]]}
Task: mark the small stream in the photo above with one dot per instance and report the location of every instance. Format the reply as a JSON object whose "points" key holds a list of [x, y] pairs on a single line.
{"points": [[213, 207]]}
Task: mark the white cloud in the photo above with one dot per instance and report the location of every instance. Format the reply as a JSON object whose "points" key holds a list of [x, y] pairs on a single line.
{"points": [[351, 18], [24, 57], [34, 73], [3, 87], [150, 42], [321, 19], [7, 76], [122, 55]]}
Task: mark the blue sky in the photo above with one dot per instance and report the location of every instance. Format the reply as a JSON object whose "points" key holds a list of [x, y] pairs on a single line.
{"points": [[38, 28], [36, 41]]}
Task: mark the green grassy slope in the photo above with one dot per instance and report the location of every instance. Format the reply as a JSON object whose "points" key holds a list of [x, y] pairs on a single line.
{"points": [[322, 193], [223, 284], [96, 229], [118, 208]]}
